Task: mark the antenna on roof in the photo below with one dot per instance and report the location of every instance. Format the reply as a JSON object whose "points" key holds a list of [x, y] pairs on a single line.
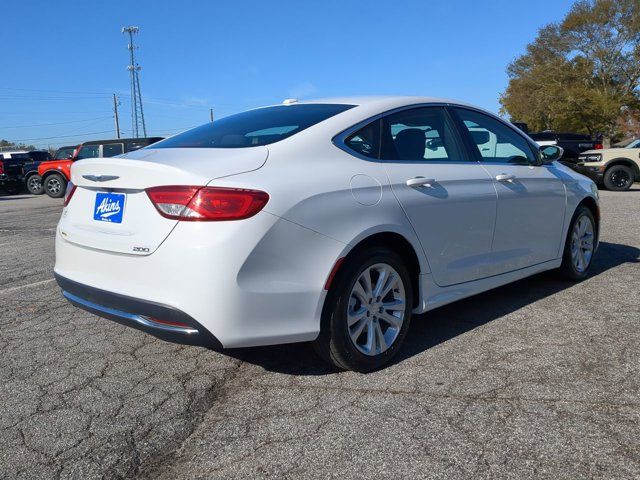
{"points": [[289, 101]]}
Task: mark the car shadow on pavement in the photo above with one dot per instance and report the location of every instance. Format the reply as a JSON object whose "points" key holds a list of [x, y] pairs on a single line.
{"points": [[16, 197], [444, 323]]}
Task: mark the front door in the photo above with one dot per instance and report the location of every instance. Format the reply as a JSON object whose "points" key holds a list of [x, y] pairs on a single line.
{"points": [[447, 195], [531, 196]]}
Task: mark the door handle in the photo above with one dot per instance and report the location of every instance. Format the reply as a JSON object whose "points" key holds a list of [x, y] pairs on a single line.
{"points": [[420, 182], [505, 177]]}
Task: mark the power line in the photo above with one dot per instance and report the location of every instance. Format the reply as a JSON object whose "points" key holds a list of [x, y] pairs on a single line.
{"points": [[57, 123], [51, 91], [103, 131], [39, 97], [62, 136]]}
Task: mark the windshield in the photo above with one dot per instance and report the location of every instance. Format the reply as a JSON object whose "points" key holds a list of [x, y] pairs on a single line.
{"points": [[634, 144], [253, 128]]}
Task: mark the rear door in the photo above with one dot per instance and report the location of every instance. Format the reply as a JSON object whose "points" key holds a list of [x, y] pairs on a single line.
{"points": [[447, 195], [531, 196]]}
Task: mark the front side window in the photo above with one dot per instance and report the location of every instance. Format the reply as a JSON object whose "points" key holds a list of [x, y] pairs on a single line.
{"points": [[64, 154], [89, 151], [419, 134], [634, 144], [253, 128], [112, 149], [495, 141]]}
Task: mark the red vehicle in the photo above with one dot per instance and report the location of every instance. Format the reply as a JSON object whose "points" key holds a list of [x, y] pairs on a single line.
{"points": [[56, 173]]}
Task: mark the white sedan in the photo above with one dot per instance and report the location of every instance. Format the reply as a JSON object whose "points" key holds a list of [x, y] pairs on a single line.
{"points": [[332, 221]]}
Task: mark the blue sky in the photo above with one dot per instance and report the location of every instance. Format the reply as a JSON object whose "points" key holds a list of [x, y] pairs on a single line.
{"points": [[62, 60]]}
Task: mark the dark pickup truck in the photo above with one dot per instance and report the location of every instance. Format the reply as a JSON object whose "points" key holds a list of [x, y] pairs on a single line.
{"points": [[572, 143], [19, 169]]}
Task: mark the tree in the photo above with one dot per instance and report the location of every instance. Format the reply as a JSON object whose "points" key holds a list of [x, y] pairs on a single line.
{"points": [[6, 145], [581, 74]]}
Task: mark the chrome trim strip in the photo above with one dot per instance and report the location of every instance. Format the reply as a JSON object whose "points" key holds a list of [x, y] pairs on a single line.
{"points": [[128, 316]]}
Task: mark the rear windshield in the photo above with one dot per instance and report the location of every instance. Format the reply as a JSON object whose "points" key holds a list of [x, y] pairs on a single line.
{"points": [[254, 127]]}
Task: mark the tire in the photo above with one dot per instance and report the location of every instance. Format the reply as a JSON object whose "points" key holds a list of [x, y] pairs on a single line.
{"points": [[34, 184], [55, 185], [335, 344], [573, 252], [618, 178]]}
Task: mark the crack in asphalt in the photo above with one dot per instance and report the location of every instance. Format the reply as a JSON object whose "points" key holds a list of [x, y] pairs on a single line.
{"points": [[539, 379]]}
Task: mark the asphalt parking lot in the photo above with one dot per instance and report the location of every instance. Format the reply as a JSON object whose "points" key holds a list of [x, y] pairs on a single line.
{"points": [[538, 379]]}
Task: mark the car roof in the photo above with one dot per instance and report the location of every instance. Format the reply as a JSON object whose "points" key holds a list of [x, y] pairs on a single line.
{"points": [[120, 140], [364, 109], [368, 106], [11, 152], [368, 99], [386, 101]]}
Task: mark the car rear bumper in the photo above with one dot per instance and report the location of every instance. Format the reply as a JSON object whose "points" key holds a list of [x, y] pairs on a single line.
{"points": [[254, 282], [162, 321]]}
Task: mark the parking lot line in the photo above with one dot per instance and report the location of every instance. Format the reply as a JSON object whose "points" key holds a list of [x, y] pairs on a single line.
{"points": [[20, 287]]}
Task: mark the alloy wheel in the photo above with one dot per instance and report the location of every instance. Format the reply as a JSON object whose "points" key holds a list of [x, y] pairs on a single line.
{"points": [[35, 184], [376, 309], [620, 178], [582, 239], [54, 186]]}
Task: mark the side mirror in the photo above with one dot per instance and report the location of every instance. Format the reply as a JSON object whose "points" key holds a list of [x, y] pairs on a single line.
{"points": [[551, 153]]}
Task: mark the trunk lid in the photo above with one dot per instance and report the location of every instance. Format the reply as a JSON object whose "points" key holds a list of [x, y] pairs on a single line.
{"points": [[110, 209]]}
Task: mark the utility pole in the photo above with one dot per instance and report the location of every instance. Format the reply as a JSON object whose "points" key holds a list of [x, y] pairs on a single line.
{"points": [[115, 111], [211, 113], [137, 113]]}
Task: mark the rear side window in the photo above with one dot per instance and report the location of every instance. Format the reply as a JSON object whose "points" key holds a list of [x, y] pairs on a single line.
{"points": [[262, 126], [573, 136], [419, 134], [543, 137], [89, 151], [39, 156], [366, 141], [136, 146], [112, 149]]}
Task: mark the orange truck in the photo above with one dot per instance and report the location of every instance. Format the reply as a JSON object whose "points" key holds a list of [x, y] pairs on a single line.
{"points": [[56, 173]]}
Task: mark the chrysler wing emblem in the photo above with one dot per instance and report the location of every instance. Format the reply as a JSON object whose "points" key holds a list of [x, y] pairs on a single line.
{"points": [[100, 178]]}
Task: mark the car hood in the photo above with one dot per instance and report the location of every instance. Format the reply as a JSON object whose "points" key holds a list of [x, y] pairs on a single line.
{"points": [[602, 150]]}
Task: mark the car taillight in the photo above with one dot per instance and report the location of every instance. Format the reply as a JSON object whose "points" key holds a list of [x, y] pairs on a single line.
{"points": [[598, 146], [71, 189], [190, 203]]}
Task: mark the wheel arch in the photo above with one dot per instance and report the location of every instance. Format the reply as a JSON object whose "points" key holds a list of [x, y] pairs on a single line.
{"points": [[592, 205], [411, 254], [626, 162], [50, 172]]}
